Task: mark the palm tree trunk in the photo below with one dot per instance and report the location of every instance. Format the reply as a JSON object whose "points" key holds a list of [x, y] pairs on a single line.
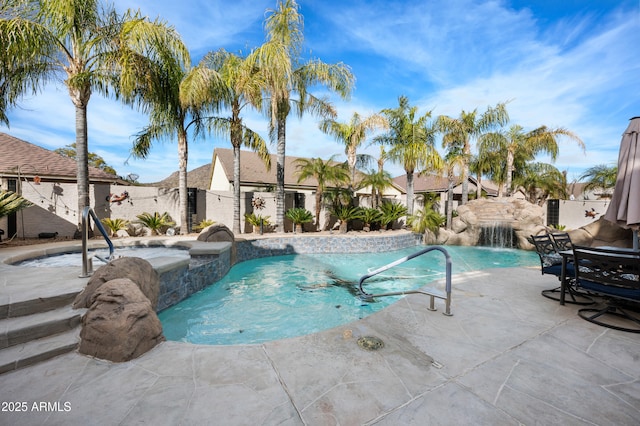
{"points": [[183, 156], [509, 172], [282, 122], [236, 189], [409, 193], [82, 156], [318, 207]]}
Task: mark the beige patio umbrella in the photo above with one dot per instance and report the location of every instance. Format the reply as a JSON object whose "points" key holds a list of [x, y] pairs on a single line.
{"points": [[624, 209]]}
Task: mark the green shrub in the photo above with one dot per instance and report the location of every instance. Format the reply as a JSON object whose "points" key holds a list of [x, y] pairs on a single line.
{"points": [[115, 225], [426, 219], [391, 212], [299, 216], [156, 222], [203, 224]]}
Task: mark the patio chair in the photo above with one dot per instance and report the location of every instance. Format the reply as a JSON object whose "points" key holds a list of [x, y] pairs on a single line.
{"points": [[551, 263], [614, 275], [562, 241]]}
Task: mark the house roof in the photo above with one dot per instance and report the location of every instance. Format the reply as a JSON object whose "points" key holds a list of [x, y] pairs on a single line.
{"points": [[197, 178], [437, 183], [254, 172], [27, 159]]}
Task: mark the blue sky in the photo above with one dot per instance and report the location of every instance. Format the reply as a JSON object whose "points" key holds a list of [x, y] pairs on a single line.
{"points": [[569, 63]]}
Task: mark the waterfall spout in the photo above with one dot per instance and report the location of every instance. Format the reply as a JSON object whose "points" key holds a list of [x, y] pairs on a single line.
{"points": [[498, 234]]}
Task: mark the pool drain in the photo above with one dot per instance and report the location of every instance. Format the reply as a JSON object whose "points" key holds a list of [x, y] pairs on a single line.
{"points": [[370, 343]]}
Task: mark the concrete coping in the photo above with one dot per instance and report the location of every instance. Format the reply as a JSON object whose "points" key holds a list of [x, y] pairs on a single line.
{"points": [[164, 264], [203, 248]]}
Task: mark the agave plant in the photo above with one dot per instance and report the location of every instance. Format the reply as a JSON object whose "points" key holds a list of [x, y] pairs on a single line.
{"points": [[10, 202], [155, 222], [203, 224], [115, 225], [370, 216], [391, 212], [346, 214], [299, 216]]}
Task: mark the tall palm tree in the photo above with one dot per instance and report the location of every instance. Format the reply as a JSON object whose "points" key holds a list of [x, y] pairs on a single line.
{"points": [[84, 44], [378, 181], [469, 126], [411, 141], [353, 134], [166, 94], [516, 142], [279, 61], [325, 173], [241, 87]]}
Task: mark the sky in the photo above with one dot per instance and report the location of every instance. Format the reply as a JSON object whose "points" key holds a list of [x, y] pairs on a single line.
{"points": [[571, 64]]}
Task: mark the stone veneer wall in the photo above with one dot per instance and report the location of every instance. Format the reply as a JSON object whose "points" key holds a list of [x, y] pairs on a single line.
{"points": [[180, 279], [252, 249]]}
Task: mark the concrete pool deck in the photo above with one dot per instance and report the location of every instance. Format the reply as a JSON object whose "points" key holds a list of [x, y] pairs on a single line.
{"points": [[506, 356]]}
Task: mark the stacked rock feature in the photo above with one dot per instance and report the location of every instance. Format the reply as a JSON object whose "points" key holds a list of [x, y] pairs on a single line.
{"points": [[121, 323]]}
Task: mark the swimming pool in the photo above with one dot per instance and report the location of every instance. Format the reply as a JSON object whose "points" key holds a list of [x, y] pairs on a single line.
{"points": [[286, 296]]}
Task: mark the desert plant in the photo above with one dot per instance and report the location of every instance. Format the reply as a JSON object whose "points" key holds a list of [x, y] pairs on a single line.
{"points": [[115, 225], [370, 216], [346, 214], [391, 212], [426, 219], [299, 216], [258, 222], [10, 202], [203, 224], [155, 222]]}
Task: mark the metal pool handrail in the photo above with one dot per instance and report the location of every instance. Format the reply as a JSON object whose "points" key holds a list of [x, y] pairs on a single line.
{"points": [[446, 298], [87, 268]]}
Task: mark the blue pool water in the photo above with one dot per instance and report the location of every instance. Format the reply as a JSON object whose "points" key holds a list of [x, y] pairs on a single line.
{"points": [[286, 296]]}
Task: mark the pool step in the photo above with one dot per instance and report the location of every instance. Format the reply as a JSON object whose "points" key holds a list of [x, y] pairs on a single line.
{"points": [[29, 339], [37, 305]]}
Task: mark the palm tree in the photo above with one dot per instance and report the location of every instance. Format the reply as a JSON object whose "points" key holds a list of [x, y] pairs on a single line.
{"points": [[453, 161], [411, 141], [541, 181], [170, 117], [325, 173], [242, 85], [460, 132], [280, 64], [600, 177], [515, 142], [88, 46], [352, 134], [378, 181]]}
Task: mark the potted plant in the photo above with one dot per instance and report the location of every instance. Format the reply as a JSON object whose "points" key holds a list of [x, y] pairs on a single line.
{"points": [[299, 216], [155, 222], [257, 221], [346, 214]]}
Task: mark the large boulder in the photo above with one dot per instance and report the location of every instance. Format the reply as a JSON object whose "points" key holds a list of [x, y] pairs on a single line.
{"points": [[216, 233], [120, 324], [602, 233], [136, 269]]}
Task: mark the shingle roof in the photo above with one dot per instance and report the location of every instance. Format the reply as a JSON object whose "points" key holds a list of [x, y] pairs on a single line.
{"points": [[197, 178], [254, 172], [436, 183], [35, 160]]}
